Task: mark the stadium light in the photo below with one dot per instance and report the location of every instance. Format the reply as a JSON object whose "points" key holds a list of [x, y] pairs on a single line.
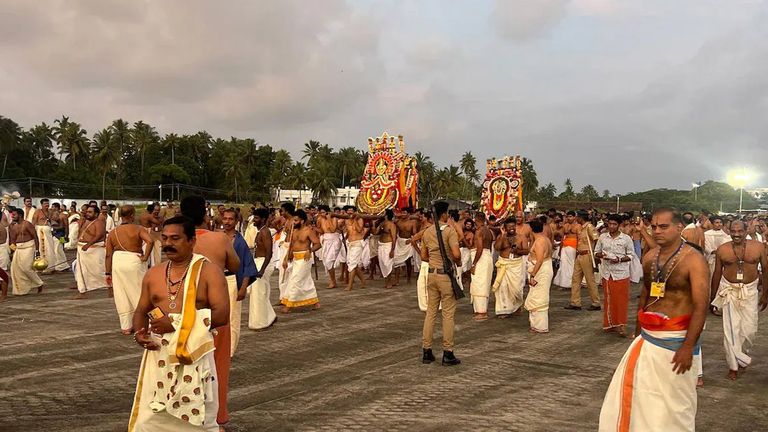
{"points": [[739, 178]]}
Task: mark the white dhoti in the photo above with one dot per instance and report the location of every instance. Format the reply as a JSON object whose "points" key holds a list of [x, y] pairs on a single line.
{"points": [[466, 259], [47, 248], [250, 235], [74, 232], [235, 313], [480, 287], [155, 258], [23, 277], [373, 246], [365, 260], [354, 254], [331, 251], [739, 304], [645, 394], [421, 286], [635, 269], [385, 262], [416, 257], [300, 290], [537, 302], [5, 255], [565, 273], [127, 273], [90, 267], [260, 312], [403, 252], [283, 274], [177, 389], [508, 287], [61, 263]]}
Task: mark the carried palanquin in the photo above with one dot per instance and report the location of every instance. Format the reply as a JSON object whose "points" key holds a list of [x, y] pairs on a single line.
{"points": [[502, 188], [390, 179]]}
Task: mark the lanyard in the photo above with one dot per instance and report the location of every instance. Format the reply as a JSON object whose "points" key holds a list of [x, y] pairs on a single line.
{"points": [[660, 270], [741, 259]]}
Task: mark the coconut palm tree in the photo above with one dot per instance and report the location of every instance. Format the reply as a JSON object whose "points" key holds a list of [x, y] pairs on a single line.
{"points": [[310, 150], [280, 169], [297, 176], [530, 180], [72, 139], [234, 169], [321, 178], [105, 153], [143, 136], [170, 142], [10, 136], [349, 163]]}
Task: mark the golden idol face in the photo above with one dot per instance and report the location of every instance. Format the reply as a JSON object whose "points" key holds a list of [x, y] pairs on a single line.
{"points": [[381, 167], [499, 187]]}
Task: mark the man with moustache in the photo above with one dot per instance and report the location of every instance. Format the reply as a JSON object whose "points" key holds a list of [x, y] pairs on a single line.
{"points": [[43, 221], [300, 291], [510, 270], [218, 250], [261, 314], [330, 237], [482, 269], [23, 238], [91, 254], [152, 223]]}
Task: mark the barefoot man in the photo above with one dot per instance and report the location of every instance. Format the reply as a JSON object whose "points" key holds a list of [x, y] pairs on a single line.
{"points": [[261, 315], [300, 290], [186, 299], [654, 388], [355, 228], [91, 254], [539, 279], [387, 232], [152, 223], [43, 220], [331, 240], [246, 272], [510, 270], [23, 241], [734, 292], [482, 269], [614, 249], [407, 226], [129, 247], [218, 250]]}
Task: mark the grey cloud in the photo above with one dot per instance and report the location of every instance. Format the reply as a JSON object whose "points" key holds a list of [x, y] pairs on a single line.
{"points": [[524, 19]]}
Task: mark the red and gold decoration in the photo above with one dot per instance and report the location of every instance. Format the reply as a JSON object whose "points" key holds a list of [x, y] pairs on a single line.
{"points": [[391, 177], [503, 187]]}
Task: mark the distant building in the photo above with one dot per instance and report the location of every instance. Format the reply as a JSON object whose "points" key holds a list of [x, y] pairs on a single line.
{"points": [[344, 196], [758, 192]]}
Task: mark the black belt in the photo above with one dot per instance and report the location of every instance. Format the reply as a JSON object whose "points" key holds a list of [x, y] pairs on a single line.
{"points": [[228, 273], [437, 271]]}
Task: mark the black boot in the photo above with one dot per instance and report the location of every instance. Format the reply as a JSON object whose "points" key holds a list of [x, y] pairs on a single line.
{"points": [[449, 359], [428, 357]]}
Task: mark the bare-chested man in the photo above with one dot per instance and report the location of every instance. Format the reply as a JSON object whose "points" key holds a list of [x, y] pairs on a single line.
{"points": [[5, 252], [166, 289], [387, 231], [261, 314], [43, 226], [129, 247], [300, 291], [691, 233], [218, 249], [570, 232], [407, 226], [510, 273], [355, 233], [523, 229], [91, 254], [539, 279], [24, 242], [671, 314], [482, 268], [152, 222], [330, 236], [734, 292]]}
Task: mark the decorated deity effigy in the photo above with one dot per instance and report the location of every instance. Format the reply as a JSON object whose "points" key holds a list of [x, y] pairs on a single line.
{"points": [[391, 177], [503, 187]]}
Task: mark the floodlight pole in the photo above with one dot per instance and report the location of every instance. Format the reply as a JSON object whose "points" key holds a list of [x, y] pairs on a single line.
{"points": [[741, 199]]}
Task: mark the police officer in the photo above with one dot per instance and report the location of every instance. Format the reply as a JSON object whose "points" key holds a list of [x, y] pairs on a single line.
{"points": [[439, 288]]}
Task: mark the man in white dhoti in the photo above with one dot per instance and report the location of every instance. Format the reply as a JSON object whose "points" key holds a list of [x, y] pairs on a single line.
{"points": [[331, 241], [59, 227], [186, 298], [24, 240], [713, 239], [540, 279], [734, 292], [568, 251], [128, 248], [261, 315], [387, 232], [300, 291], [245, 274], [74, 230], [654, 388], [5, 251], [91, 254], [510, 271], [482, 269], [407, 226], [47, 249], [29, 210], [153, 224]]}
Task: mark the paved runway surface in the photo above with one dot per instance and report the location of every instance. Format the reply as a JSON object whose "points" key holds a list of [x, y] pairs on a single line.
{"points": [[352, 365]]}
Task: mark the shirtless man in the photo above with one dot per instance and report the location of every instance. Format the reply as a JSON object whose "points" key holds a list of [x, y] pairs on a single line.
{"points": [[509, 290], [356, 231], [407, 226], [539, 279], [22, 236], [218, 249], [671, 313], [387, 231], [304, 242], [153, 223], [179, 241], [42, 219], [523, 229], [734, 292], [329, 232], [91, 254], [127, 258], [691, 233], [5, 257], [482, 269]]}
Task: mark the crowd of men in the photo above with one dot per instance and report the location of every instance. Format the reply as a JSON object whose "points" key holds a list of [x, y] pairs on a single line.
{"points": [[186, 310]]}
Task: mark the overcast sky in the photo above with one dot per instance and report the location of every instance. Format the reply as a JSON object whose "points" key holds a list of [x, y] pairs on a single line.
{"points": [[625, 95]]}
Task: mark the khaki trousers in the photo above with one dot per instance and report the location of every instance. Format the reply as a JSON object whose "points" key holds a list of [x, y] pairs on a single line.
{"points": [[439, 290], [582, 269]]}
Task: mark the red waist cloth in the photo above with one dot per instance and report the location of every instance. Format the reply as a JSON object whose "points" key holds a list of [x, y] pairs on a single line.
{"points": [[571, 241], [658, 322]]}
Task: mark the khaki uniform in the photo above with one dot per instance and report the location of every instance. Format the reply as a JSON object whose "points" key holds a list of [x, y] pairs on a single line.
{"points": [[582, 267], [439, 288]]}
